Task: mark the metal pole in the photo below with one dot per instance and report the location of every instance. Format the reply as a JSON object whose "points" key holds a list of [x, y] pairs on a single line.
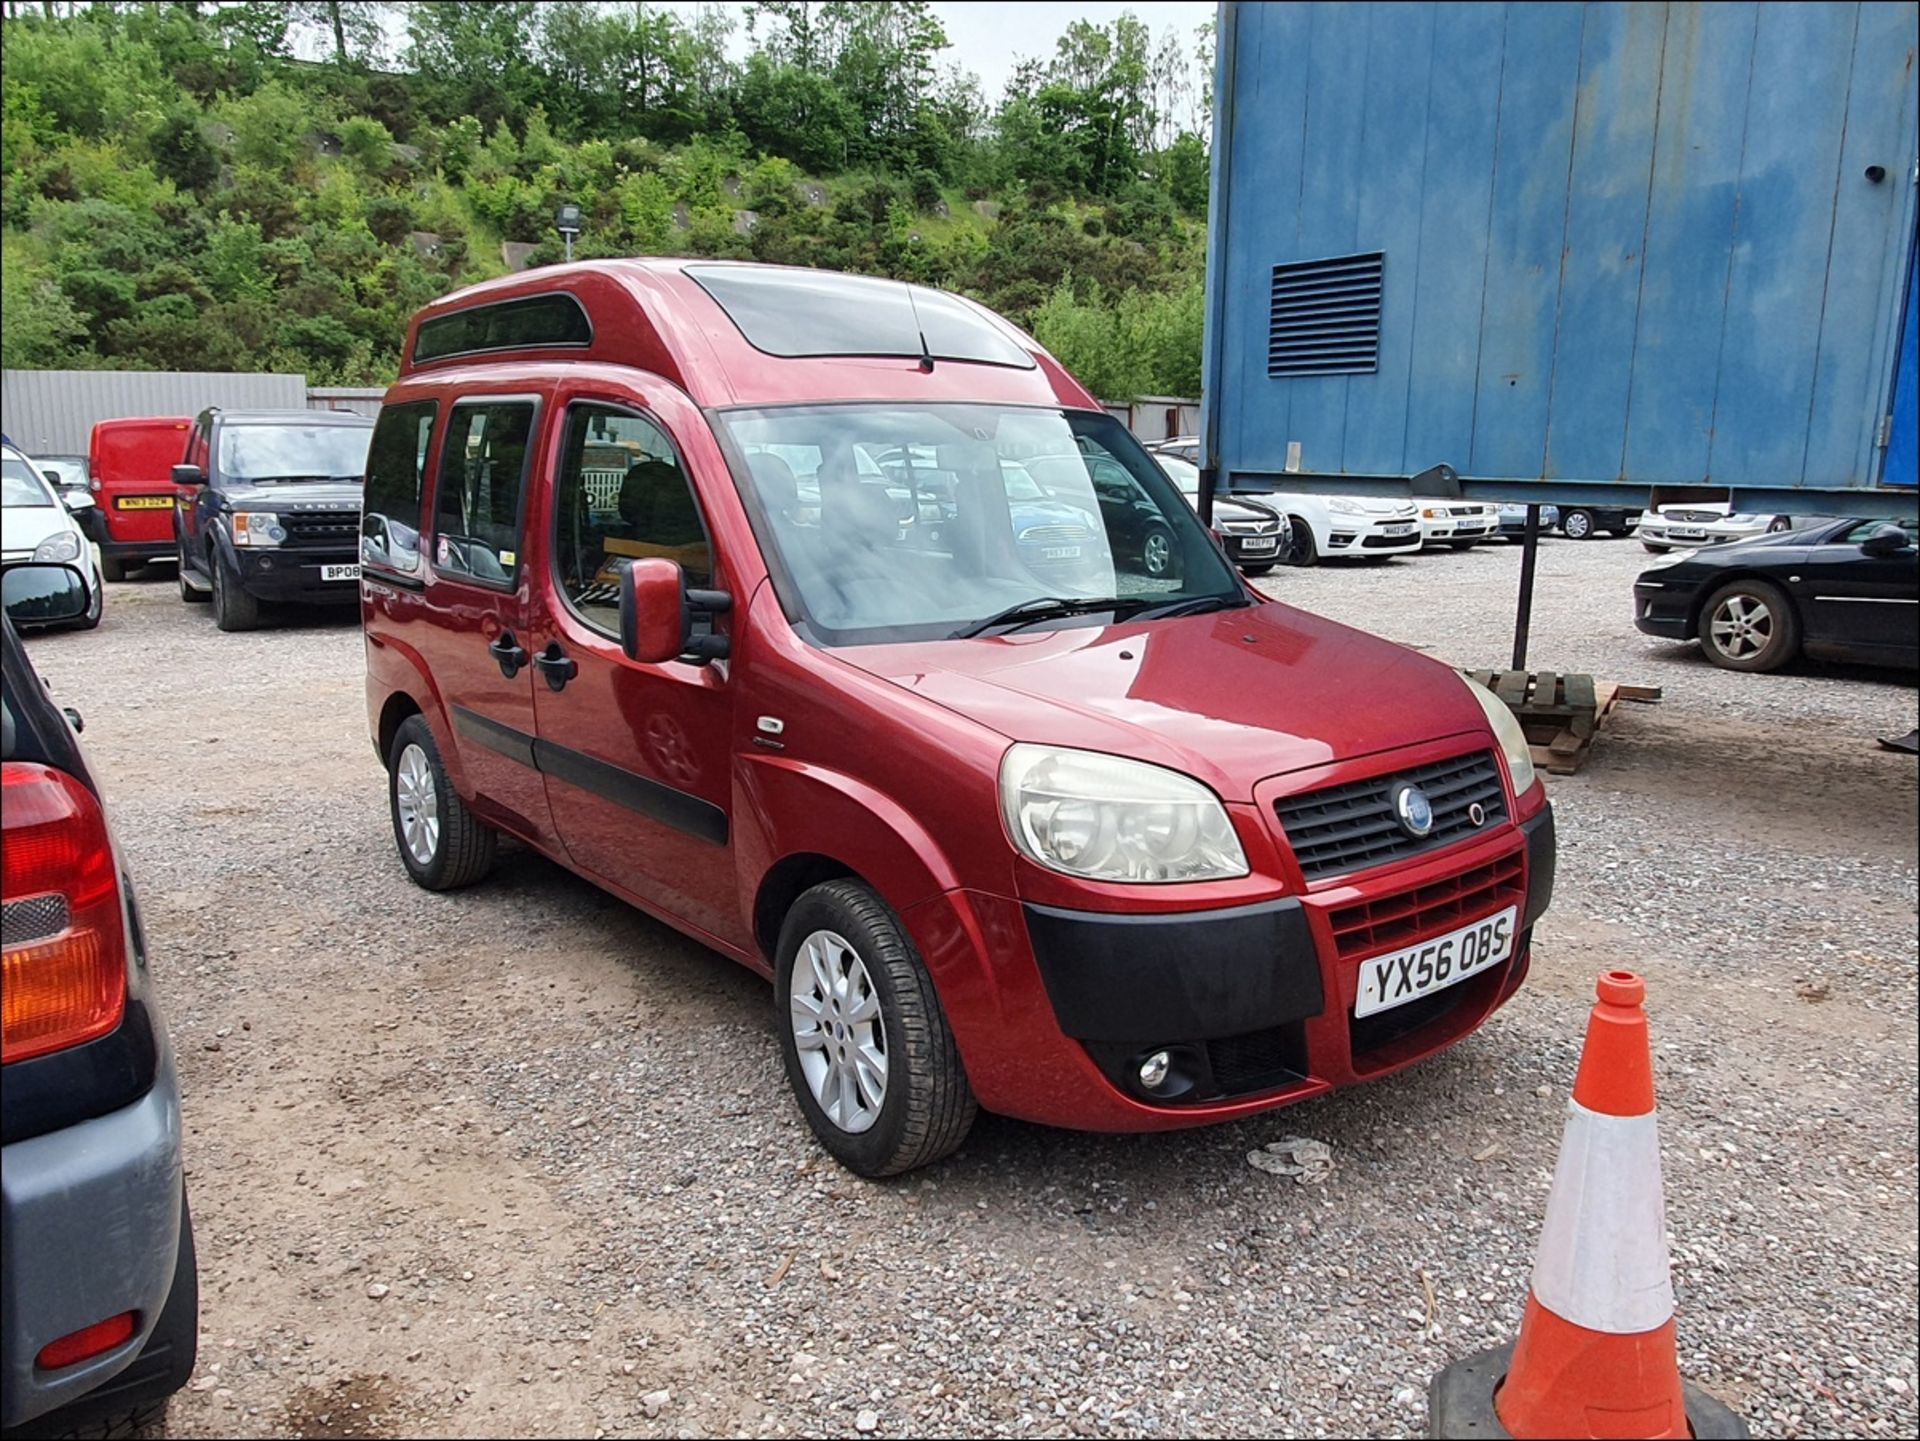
{"points": [[1523, 616], [567, 236], [1206, 497]]}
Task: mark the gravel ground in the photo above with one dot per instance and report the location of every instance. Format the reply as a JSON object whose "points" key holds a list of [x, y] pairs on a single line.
{"points": [[521, 1161]]}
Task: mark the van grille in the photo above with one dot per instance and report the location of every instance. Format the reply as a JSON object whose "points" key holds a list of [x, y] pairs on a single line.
{"points": [[1347, 827], [1397, 920]]}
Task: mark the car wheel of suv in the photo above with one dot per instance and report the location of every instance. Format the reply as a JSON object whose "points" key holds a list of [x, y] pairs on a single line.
{"points": [[1577, 524], [442, 844], [1749, 625], [1303, 551], [233, 608], [866, 1045]]}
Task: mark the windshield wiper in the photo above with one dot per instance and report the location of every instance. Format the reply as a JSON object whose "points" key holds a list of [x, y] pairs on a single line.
{"points": [[1192, 605], [1047, 607]]}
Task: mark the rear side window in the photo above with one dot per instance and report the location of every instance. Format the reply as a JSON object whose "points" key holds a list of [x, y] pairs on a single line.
{"points": [[539, 322], [483, 465], [390, 518]]}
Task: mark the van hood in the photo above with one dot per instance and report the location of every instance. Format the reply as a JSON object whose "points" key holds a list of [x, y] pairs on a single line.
{"points": [[1230, 698]]}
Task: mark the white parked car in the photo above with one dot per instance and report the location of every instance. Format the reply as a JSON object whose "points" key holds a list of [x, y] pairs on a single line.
{"points": [[37, 524], [1326, 526], [1255, 535], [1688, 525], [1461, 524]]}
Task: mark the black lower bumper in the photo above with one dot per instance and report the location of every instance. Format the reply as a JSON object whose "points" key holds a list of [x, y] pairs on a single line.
{"points": [[1663, 610], [295, 576], [1241, 552]]}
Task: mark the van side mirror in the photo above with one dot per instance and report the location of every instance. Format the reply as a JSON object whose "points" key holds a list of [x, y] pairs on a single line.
{"points": [[656, 614], [43, 594], [189, 475], [76, 501], [1887, 540]]}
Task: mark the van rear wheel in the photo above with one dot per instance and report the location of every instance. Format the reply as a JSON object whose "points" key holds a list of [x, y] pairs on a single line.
{"points": [[442, 844], [865, 1042]]}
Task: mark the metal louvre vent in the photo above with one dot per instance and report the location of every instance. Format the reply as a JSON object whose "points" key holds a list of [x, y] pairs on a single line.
{"points": [[1325, 318], [1348, 827]]}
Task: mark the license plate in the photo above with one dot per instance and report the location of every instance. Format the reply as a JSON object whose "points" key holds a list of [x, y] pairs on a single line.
{"points": [[143, 502], [1685, 533], [1061, 552], [339, 572], [1401, 976], [1266, 542], [1406, 529]]}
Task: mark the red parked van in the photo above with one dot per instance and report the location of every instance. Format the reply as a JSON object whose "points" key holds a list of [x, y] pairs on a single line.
{"points": [[132, 465], [784, 606]]}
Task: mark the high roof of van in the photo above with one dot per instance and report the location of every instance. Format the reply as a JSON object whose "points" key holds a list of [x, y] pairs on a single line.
{"points": [[731, 333]]}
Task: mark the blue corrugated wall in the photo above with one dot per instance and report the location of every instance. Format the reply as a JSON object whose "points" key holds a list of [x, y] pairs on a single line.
{"points": [[1623, 242]]}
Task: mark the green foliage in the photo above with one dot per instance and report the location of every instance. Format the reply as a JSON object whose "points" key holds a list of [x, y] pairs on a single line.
{"points": [[177, 190]]}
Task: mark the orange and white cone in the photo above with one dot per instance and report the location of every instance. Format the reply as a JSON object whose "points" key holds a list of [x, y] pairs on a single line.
{"points": [[1596, 1355]]}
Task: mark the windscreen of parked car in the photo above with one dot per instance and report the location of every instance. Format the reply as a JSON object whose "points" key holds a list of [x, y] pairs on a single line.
{"points": [[293, 452], [22, 487], [912, 522]]}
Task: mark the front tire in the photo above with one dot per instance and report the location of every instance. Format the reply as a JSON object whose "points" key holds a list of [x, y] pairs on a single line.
{"points": [[1749, 625], [233, 608], [1156, 553], [1577, 524], [111, 569], [1304, 551], [866, 1045], [442, 844]]}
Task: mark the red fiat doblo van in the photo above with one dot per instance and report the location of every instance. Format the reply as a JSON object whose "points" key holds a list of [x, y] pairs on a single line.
{"points": [[131, 462], [736, 590]]}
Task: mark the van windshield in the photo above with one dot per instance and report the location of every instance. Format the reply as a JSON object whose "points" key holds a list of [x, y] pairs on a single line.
{"points": [[891, 522], [294, 452]]}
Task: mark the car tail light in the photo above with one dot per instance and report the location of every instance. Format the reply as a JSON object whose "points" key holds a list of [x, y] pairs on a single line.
{"points": [[63, 943], [90, 1341]]}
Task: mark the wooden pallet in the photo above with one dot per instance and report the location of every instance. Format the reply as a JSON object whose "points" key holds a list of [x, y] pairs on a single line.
{"points": [[1561, 714]]}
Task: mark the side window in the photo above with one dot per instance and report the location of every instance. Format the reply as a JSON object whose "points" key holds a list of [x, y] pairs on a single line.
{"points": [[197, 447], [390, 518], [621, 495], [476, 514]]}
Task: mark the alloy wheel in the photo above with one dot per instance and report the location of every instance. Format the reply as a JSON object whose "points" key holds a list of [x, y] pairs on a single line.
{"points": [[418, 801], [1157, 553], [1741, 627], [834, 1010]]}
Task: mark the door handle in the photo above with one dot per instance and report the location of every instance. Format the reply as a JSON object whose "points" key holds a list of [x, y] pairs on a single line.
{"points": [[556, 665], [509, 652]]}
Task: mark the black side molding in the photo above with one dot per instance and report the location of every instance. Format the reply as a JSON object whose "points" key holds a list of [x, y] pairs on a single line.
{"points": [[640, 794]]}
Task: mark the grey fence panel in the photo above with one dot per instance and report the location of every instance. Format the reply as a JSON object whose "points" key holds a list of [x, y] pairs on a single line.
{"points": [[52, 412], [360, 399]]}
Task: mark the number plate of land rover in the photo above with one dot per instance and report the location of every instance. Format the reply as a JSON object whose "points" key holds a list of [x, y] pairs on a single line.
{"points": [[339, 572], [1401, 976]]}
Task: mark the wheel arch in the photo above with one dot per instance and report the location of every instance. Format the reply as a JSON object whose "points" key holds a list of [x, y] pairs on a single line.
{"points": [[393, 715], [1713, 587], [785, 882]]}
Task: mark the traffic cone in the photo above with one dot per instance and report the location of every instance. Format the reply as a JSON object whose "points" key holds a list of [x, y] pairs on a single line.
{"points": [[1596, 1354]]}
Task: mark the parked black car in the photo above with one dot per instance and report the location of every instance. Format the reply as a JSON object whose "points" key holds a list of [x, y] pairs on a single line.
{"points": [[1841, 590], [99, 1296], [277, 515], [1584, 522]]}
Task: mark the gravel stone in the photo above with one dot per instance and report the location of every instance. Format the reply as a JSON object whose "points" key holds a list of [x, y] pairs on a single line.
{"points": [[400, 1070]]}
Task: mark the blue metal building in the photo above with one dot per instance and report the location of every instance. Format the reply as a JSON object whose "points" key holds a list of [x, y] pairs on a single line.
{"points": [[1571, 251]]}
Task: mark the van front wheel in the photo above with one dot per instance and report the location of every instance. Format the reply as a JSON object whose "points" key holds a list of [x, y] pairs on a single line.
{"points": [[866, 1045], [442, 844]]}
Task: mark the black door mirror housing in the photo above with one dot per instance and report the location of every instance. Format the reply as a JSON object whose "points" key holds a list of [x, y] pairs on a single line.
{"points": [[1887, 540], [189, 475]]}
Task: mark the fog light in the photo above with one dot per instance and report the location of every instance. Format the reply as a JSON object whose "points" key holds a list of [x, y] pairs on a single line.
{"points": [[1153, 1070]]}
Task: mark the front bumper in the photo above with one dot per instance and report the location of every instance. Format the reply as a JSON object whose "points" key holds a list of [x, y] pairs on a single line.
{"points": [[1253, 1002], [1250, 549], [1457, 528], [91, 1229], [1353, 535], [275, 573], [1692, 537], [1664, 608]]}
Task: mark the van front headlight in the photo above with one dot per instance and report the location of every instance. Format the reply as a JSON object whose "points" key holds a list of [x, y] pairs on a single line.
{"points": [[1105, 818], [1506, 730]]}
